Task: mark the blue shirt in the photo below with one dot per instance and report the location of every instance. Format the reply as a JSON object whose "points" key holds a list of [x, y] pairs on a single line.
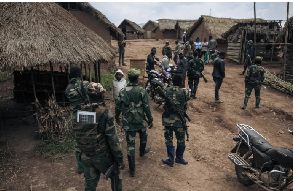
{"points": [[198, 45]]}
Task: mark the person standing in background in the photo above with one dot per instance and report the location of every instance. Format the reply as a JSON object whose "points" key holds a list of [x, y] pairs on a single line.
{"points": [[204, 48], [121, 45], [176, 52], [198, 46]]}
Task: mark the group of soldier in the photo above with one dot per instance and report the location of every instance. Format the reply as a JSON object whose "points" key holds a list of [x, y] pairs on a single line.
{"points": [[98, 152]]}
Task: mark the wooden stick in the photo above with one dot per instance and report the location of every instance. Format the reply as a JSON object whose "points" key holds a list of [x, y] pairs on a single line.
{"points": [[286, 37], [99, 74], [96, 72], [90, 73], [254, 31], [81, 72], [68, 76], [86, 76], [53, 88], [33, 85]]}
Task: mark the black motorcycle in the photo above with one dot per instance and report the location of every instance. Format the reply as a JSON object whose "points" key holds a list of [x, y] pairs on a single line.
{"points": [[154, 80], [256, 161]]}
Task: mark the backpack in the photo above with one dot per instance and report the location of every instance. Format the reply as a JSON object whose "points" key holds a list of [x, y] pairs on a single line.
{"points": [[86, 136]]}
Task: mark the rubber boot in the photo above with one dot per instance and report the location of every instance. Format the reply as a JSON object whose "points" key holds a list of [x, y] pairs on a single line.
{"points": [[245, 102], [143, 149], [243, 73], [179, 155], [217, 98], [195, 90], [170, 160], [79, 163], [257, 101], [131, 163]]}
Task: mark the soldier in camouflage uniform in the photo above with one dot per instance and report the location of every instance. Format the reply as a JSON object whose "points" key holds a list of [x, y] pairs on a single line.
{"points": [[190, 47], [172, 123], [196, 67], [97, 161], [134, 104], [253, 80], [166, 48]]}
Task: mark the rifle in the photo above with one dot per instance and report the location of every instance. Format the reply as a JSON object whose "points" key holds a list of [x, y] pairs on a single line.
{"points": [[173, 107], [114, 171], [205, 80]]}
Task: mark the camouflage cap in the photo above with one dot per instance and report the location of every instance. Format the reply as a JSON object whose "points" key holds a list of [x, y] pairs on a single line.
{"points": [[95, 87], [167, 42], [258, 58], [133, 73], [250, 42]]}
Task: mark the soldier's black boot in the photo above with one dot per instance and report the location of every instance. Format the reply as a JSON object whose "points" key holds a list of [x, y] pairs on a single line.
{"points": [[245, 102], [143, 149], [170, 160], [179, 155], [131, 163], [243, 73], [257, 101]]}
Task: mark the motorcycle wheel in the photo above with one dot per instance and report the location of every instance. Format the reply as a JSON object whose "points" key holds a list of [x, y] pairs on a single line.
{"points": [[239, 172]]}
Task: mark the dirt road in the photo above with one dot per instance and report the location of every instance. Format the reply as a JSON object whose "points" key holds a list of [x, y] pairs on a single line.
{"points": [[211, 131]]}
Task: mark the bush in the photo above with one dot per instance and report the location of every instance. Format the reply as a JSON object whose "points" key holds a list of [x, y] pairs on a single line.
{"points": [[56, 149]]}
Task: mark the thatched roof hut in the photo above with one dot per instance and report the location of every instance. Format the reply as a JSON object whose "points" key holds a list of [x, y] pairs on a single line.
{"points": [[185, 24], [33, 34], [148, 27], [86, 7], [131, 29], [207, 26]]}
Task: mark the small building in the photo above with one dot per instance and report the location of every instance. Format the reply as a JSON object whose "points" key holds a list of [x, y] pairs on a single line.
{"points": [[166, 29], [148, 27], [184, 25], [41, 54], [93, 19], [239, 34], [131, 30], [289, 52], [207, 26]]}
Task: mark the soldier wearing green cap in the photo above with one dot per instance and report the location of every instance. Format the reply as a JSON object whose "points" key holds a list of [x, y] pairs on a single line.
{"points": [[253, 80], [166, 48], [134, 105]]}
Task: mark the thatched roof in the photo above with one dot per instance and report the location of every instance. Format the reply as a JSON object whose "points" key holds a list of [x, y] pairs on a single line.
{"points": [[34, 34], [136, 27], [154, 23], [216, 26], [166, 24], [281, 36], [186, 24], [114, 31]]}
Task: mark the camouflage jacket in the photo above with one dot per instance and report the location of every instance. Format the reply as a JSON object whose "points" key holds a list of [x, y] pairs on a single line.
{"points": [[108, 140], [73, 96], [196, 66], [165, 49], [177, 49], [188, 48], [180, 97], [138, 96], [255, 74]]}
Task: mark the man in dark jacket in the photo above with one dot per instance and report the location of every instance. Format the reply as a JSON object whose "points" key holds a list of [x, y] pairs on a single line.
{"points": [[150, 59], [121, 44], [212, 44], [249, 56], [182, 66], [218, 74]]}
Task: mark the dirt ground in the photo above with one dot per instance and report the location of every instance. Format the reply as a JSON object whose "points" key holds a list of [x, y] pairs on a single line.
{"points": [[211, 131]]}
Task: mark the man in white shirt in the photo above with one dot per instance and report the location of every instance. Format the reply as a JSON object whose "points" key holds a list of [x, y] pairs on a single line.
{"points": [[166, 60], [198, 46]]}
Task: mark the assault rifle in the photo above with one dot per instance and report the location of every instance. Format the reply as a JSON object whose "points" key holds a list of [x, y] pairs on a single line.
{"points": [[205, 80], [171, 106], [114, 171]]}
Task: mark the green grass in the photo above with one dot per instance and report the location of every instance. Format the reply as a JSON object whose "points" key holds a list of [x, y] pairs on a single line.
{"points": [[56, 150]]}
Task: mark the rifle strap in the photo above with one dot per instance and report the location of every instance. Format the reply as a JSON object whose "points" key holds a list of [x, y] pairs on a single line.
{"points": [[83, 92]]}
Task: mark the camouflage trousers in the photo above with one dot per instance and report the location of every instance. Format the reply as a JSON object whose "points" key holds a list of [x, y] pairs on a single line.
{"points": [[130, 139], [179, 133], [250, 86], [93, 167], [193, 84]]}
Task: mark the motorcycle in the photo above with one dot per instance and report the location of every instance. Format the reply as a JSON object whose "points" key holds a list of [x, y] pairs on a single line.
{"points": [[154, 80], [258, 162]]}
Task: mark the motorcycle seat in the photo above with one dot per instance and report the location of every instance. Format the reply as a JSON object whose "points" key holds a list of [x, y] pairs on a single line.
{"points": [[258, 141], [283, 156]]}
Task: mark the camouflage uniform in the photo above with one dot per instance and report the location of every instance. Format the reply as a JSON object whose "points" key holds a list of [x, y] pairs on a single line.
{"points": [[172, 124], [166, 48], [134, 104], [188, 48], [93, 165], [253, 80], [196, 67]]}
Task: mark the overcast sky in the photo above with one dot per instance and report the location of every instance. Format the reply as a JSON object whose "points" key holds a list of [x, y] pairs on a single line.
{"points": [[142, 12]]}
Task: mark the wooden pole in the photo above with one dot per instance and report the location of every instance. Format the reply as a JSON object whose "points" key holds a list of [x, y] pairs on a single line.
{"points": [[254, 31], [60, 67], [67, 71], [286, 37], [90, 73], [33, 85], [86, 76], [99, 74], [81, 72], [53, 88], [95, 70]]}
